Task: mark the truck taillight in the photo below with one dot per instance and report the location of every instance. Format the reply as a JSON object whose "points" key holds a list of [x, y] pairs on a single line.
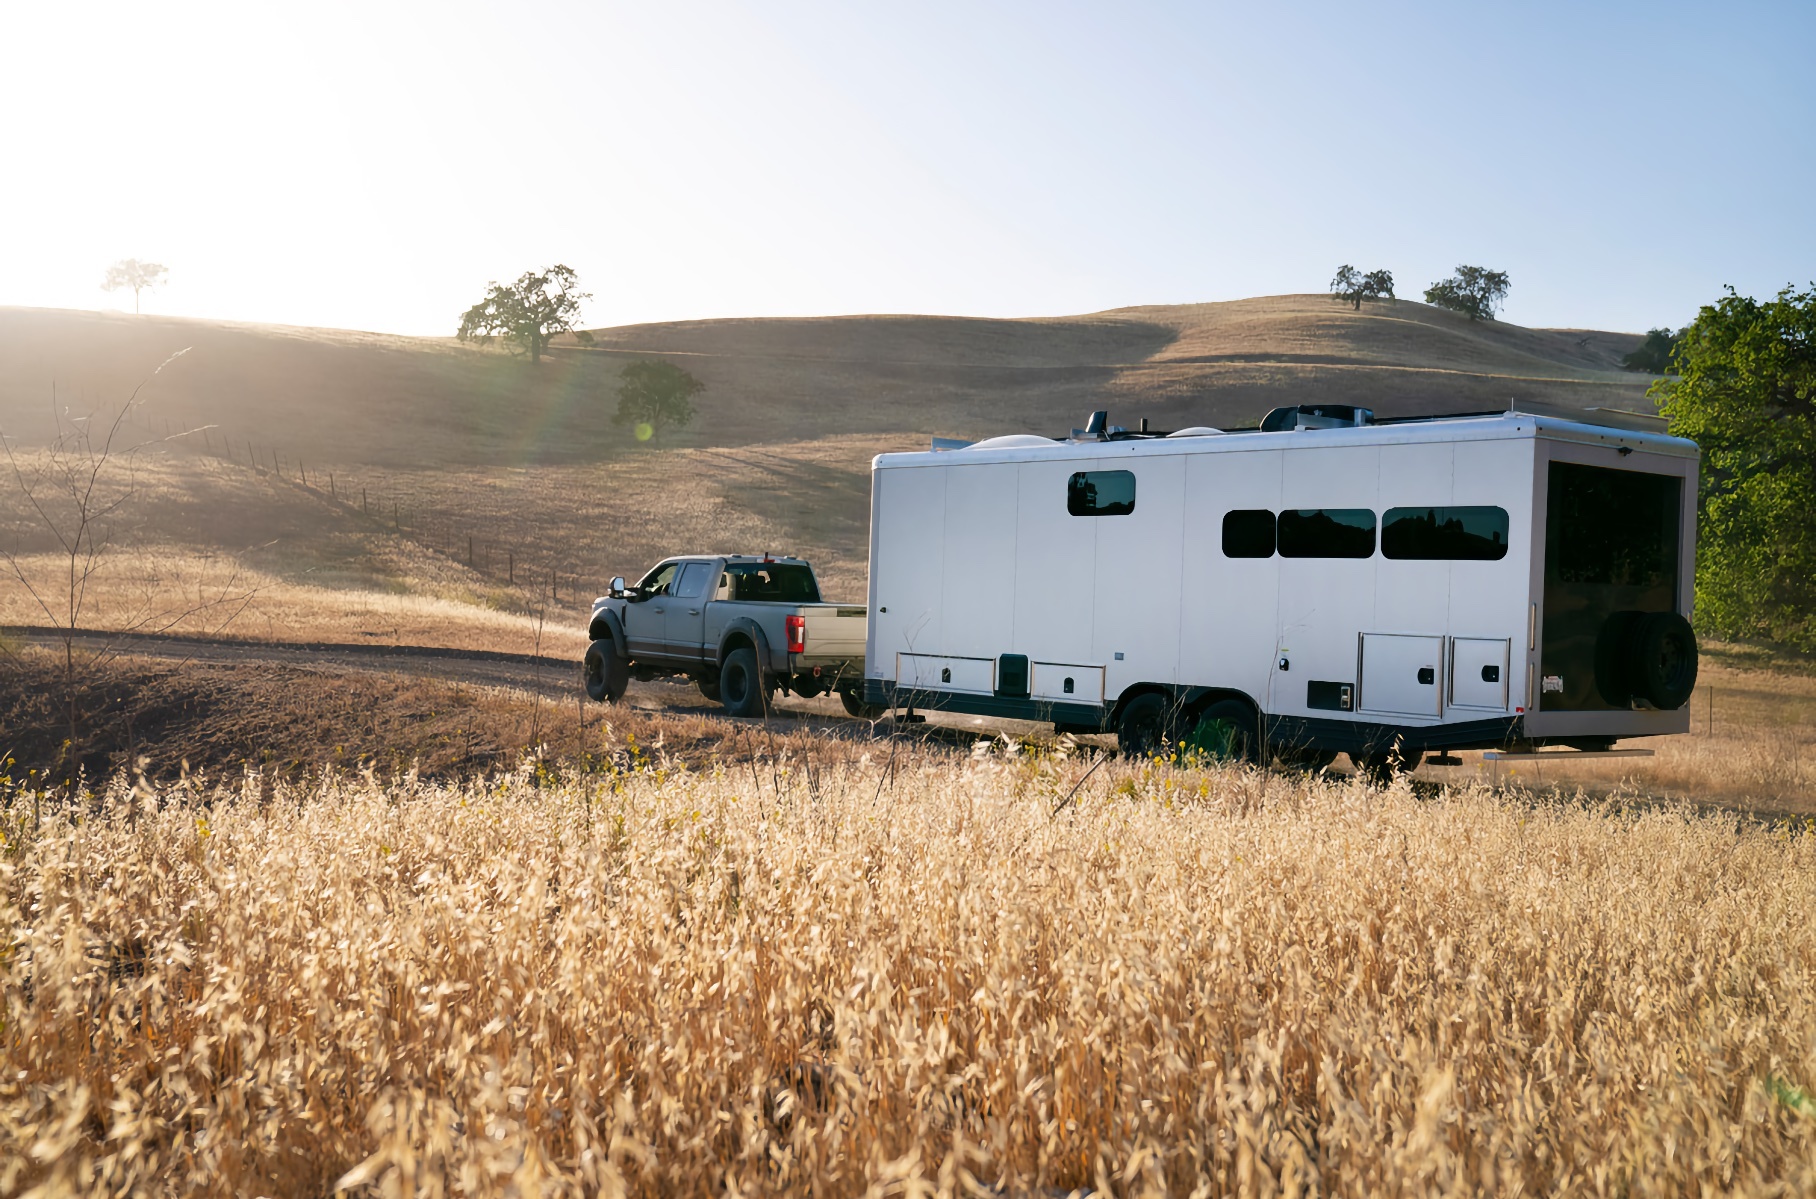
{"points": [[797, 633]]}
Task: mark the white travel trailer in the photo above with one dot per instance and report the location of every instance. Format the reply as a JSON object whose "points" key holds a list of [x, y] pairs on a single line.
{"points": [[1326, 583]]}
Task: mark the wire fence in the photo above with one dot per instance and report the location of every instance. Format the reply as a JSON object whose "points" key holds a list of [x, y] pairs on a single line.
{"points": [[384, 506]]}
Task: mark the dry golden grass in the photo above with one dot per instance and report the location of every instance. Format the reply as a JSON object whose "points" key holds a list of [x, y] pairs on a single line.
{"points": [[1759, 753], [901, 977]]}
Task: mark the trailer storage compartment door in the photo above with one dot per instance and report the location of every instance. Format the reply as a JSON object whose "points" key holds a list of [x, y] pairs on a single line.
{"points": [[1400, 674], [941, 672], [1478, 673]]}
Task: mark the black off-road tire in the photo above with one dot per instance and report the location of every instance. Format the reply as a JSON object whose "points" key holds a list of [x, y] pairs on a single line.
{"points": [[1227, 731], [742, 688], [1143, 728], [1381, 768], [605, 671], [1663, 662]]}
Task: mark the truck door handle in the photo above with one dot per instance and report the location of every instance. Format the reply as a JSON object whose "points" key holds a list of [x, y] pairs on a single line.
{"points": [[693, 611], [659, 611]]}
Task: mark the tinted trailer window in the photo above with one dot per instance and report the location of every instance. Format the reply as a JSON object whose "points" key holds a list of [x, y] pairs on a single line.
{"points": [[1611, 546]]}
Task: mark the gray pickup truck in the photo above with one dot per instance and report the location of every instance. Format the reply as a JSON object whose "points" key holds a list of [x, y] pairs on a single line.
{"points": [[742, 627]]}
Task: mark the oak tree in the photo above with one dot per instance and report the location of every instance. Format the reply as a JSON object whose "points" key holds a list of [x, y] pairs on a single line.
{"points": [[653, 395], [140, 276], [1352, 286], [527, 314], [1474, 291]]}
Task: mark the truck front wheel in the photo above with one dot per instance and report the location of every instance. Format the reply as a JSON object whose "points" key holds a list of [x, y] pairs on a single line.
{"points": [[605, 671], [742, 688]]}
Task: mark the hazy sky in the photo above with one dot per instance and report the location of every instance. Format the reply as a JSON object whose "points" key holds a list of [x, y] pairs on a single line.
{"points": [[373, 165]]}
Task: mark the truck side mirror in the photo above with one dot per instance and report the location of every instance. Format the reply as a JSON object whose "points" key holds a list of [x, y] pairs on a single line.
{"points": [[617, 587]]}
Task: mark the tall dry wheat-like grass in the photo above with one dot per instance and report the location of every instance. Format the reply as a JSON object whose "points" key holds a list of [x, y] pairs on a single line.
{"points": [[901, 978]]}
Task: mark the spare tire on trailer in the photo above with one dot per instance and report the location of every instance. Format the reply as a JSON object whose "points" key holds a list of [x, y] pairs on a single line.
{"points": [[1663, 660], [605, 671], [1648, 656]]}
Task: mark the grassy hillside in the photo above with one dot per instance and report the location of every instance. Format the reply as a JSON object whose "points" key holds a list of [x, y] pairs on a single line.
{"points": [[345, 397], [336, 461]]}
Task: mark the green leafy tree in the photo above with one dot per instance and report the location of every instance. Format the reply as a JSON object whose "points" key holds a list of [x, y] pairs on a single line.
{"points": [[140, 276], [654, 395], [1746, 393], [527, 314], [1474, 291], [1352, 286], [1654, 353]]}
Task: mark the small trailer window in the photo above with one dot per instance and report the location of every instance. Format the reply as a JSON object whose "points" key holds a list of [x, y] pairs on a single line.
{"points": [[1476, 534], [1327, 533], [1101, 493], [1248, 533]]}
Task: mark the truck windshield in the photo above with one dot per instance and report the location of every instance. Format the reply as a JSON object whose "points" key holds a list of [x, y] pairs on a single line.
{"points": [[787, 582]]}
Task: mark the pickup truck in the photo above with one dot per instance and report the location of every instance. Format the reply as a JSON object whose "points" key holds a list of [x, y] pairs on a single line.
{"points": [[740, 626]]}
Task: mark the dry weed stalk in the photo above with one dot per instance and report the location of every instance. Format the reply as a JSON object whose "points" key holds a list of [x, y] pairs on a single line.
{"points": [[650, 981]]}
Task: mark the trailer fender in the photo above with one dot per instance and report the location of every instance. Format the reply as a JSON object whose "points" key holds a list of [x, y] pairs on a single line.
{"points": [[606, 624]]}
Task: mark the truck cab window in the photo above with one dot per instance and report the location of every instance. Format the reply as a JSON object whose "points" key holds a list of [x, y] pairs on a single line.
{"points": [[1101, 493], [788, 582], [692, 583], [657, 581], [1248, 533], [1327, 533], [1475, 534]]}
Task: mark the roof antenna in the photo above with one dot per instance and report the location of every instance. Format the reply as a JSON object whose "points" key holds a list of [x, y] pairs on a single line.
{"points": [[1095, 429]]}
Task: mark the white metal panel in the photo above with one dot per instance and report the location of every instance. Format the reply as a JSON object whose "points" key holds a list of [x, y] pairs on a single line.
{"points": [[1227, 605], [1478, 673], [942, 672], [1067, 683], [1054, 557], [1400, 674], [1413, 596], [1138, 574], [1494, 599], [907, 563], [977, 604], [1324, 602]]}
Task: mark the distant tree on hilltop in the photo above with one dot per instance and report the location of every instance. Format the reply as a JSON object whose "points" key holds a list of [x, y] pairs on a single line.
{"points": [[1654, 354], [140, 276], [527, 314], [1474, 291], [1353, 286], [654, 394]]}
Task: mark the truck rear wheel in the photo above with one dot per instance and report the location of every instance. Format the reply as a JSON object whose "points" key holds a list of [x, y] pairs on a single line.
{"points": [[605, 671], [742, 688]]}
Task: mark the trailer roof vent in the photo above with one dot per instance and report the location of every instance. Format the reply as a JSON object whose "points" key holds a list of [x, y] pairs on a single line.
{"points": [[1316, 416], [1011, 441], [1197, 431]]}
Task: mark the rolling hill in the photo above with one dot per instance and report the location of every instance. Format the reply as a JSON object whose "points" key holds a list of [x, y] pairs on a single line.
{"points": [[330, 462]]}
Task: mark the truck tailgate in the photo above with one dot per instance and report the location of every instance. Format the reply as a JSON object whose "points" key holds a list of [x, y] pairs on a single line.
{"points": [[836, 631]]}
